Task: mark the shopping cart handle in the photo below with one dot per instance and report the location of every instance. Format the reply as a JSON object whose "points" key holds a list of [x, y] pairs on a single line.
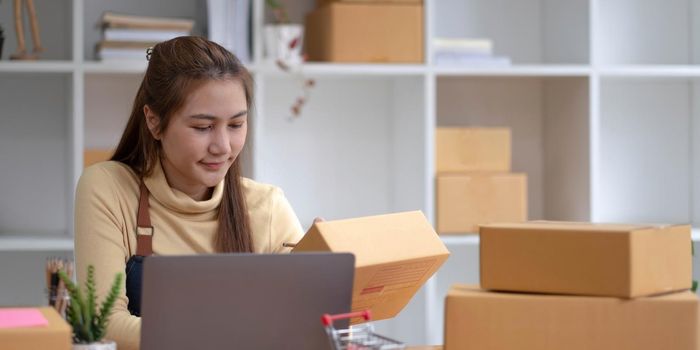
{"points": [[327, 319]]}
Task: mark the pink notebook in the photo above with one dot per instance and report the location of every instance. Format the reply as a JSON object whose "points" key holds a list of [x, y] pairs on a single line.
{"points": [[25, 317]]}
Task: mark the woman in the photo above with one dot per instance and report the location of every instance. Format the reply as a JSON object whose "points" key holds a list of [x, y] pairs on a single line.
{"points": [[173, 185]]}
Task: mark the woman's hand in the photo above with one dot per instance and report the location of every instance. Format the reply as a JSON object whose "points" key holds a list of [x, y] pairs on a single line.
{"points": [[293, 244]]}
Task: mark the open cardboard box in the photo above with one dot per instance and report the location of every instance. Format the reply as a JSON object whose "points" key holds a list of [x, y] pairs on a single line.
{"points": [[395, 254]]}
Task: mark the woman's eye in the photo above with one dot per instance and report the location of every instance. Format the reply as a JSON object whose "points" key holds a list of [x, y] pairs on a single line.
{"points": [[202, 128], [235, 126]]}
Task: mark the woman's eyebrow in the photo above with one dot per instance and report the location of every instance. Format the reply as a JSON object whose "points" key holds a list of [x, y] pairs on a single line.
{"points": [[211, 117]]}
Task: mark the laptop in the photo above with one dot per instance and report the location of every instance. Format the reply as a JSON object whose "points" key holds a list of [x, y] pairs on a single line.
{"points": [[243, 301]]}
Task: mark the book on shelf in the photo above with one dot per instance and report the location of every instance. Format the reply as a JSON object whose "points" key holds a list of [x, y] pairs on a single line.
{"points": [[128, 36], [228, 25], [466, 52], [470, 60], [117, 50], [475, 46], [107, 44], [130, 54], [153, 35], [116, 20]]}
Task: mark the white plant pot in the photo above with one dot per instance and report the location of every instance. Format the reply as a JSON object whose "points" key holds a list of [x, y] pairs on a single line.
{"points": [[278, 38], [103, 345]]}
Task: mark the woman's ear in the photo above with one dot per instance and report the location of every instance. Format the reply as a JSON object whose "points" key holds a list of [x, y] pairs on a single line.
{"points": [[152, 122]]}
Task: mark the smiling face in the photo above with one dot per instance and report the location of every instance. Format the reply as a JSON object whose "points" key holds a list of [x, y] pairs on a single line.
{"points": [[204, 137]]}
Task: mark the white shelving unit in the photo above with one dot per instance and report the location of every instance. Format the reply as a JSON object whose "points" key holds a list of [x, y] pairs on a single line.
{"points": [[604, 109]]}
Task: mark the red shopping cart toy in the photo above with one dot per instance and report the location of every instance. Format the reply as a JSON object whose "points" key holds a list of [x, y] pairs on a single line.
{"points": [[360, 337]]}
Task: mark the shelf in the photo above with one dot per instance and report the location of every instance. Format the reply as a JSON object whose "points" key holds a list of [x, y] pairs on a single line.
{"points": [[411, 70], [342, 69], [36, 66], [516, 70], [650, 71], [457, 240], [338, 69], [35, 242]]}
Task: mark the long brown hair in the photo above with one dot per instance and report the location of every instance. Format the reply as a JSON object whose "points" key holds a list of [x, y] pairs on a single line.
{"points": [[175, 68]]}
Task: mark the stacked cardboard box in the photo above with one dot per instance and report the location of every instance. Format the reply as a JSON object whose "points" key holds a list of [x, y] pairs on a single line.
{"points": [[474, 183], [557, 285], [374, 31]]}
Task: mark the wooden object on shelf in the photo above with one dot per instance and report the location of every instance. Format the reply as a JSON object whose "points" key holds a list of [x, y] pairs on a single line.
{"points": [[389, 33], [22, 53]]}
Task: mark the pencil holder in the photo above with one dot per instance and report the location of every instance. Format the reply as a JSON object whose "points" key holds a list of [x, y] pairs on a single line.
{"points": [[106, 345], [59, 300], [2, 40]]}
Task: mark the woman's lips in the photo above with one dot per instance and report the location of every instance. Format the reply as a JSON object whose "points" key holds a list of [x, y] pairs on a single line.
{"points": [[212, 165]]}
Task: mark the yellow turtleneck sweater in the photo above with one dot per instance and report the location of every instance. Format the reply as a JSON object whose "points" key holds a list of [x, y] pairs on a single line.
{"points": [[106, 204]]}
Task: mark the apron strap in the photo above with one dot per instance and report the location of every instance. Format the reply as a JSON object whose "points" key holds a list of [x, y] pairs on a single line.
{"points": [[144, 230]]}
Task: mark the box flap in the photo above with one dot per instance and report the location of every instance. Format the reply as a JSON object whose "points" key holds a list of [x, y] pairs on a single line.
{"points": [[376, 239], [312, 241]]}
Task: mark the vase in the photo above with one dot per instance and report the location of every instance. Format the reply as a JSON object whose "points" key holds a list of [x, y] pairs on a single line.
{"points": [[283, 42], [103, 345]]}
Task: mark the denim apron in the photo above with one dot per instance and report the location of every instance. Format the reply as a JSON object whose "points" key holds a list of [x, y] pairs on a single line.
{"points": [[144, 248]]}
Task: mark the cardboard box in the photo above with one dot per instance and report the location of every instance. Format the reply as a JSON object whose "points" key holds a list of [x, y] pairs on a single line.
{"points": [[395, 255], [585, 259], [466, 201], [476, 319], [56, 336], [365, 33], [92, 156], [473, 149]]}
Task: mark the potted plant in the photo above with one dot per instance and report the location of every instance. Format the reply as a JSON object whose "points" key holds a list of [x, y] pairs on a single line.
{"points": [[283, 40], [89, 325], [283, 44]]}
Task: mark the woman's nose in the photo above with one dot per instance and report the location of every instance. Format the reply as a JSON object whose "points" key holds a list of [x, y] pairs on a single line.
{"points": [[220, 143]]}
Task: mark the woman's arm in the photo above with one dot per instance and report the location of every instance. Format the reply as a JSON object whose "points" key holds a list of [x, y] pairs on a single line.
{"points": [[100, 241]]}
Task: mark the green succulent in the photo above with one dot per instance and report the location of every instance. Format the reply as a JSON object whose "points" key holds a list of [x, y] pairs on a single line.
{"points": [[278, 11], [88, 324]]}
